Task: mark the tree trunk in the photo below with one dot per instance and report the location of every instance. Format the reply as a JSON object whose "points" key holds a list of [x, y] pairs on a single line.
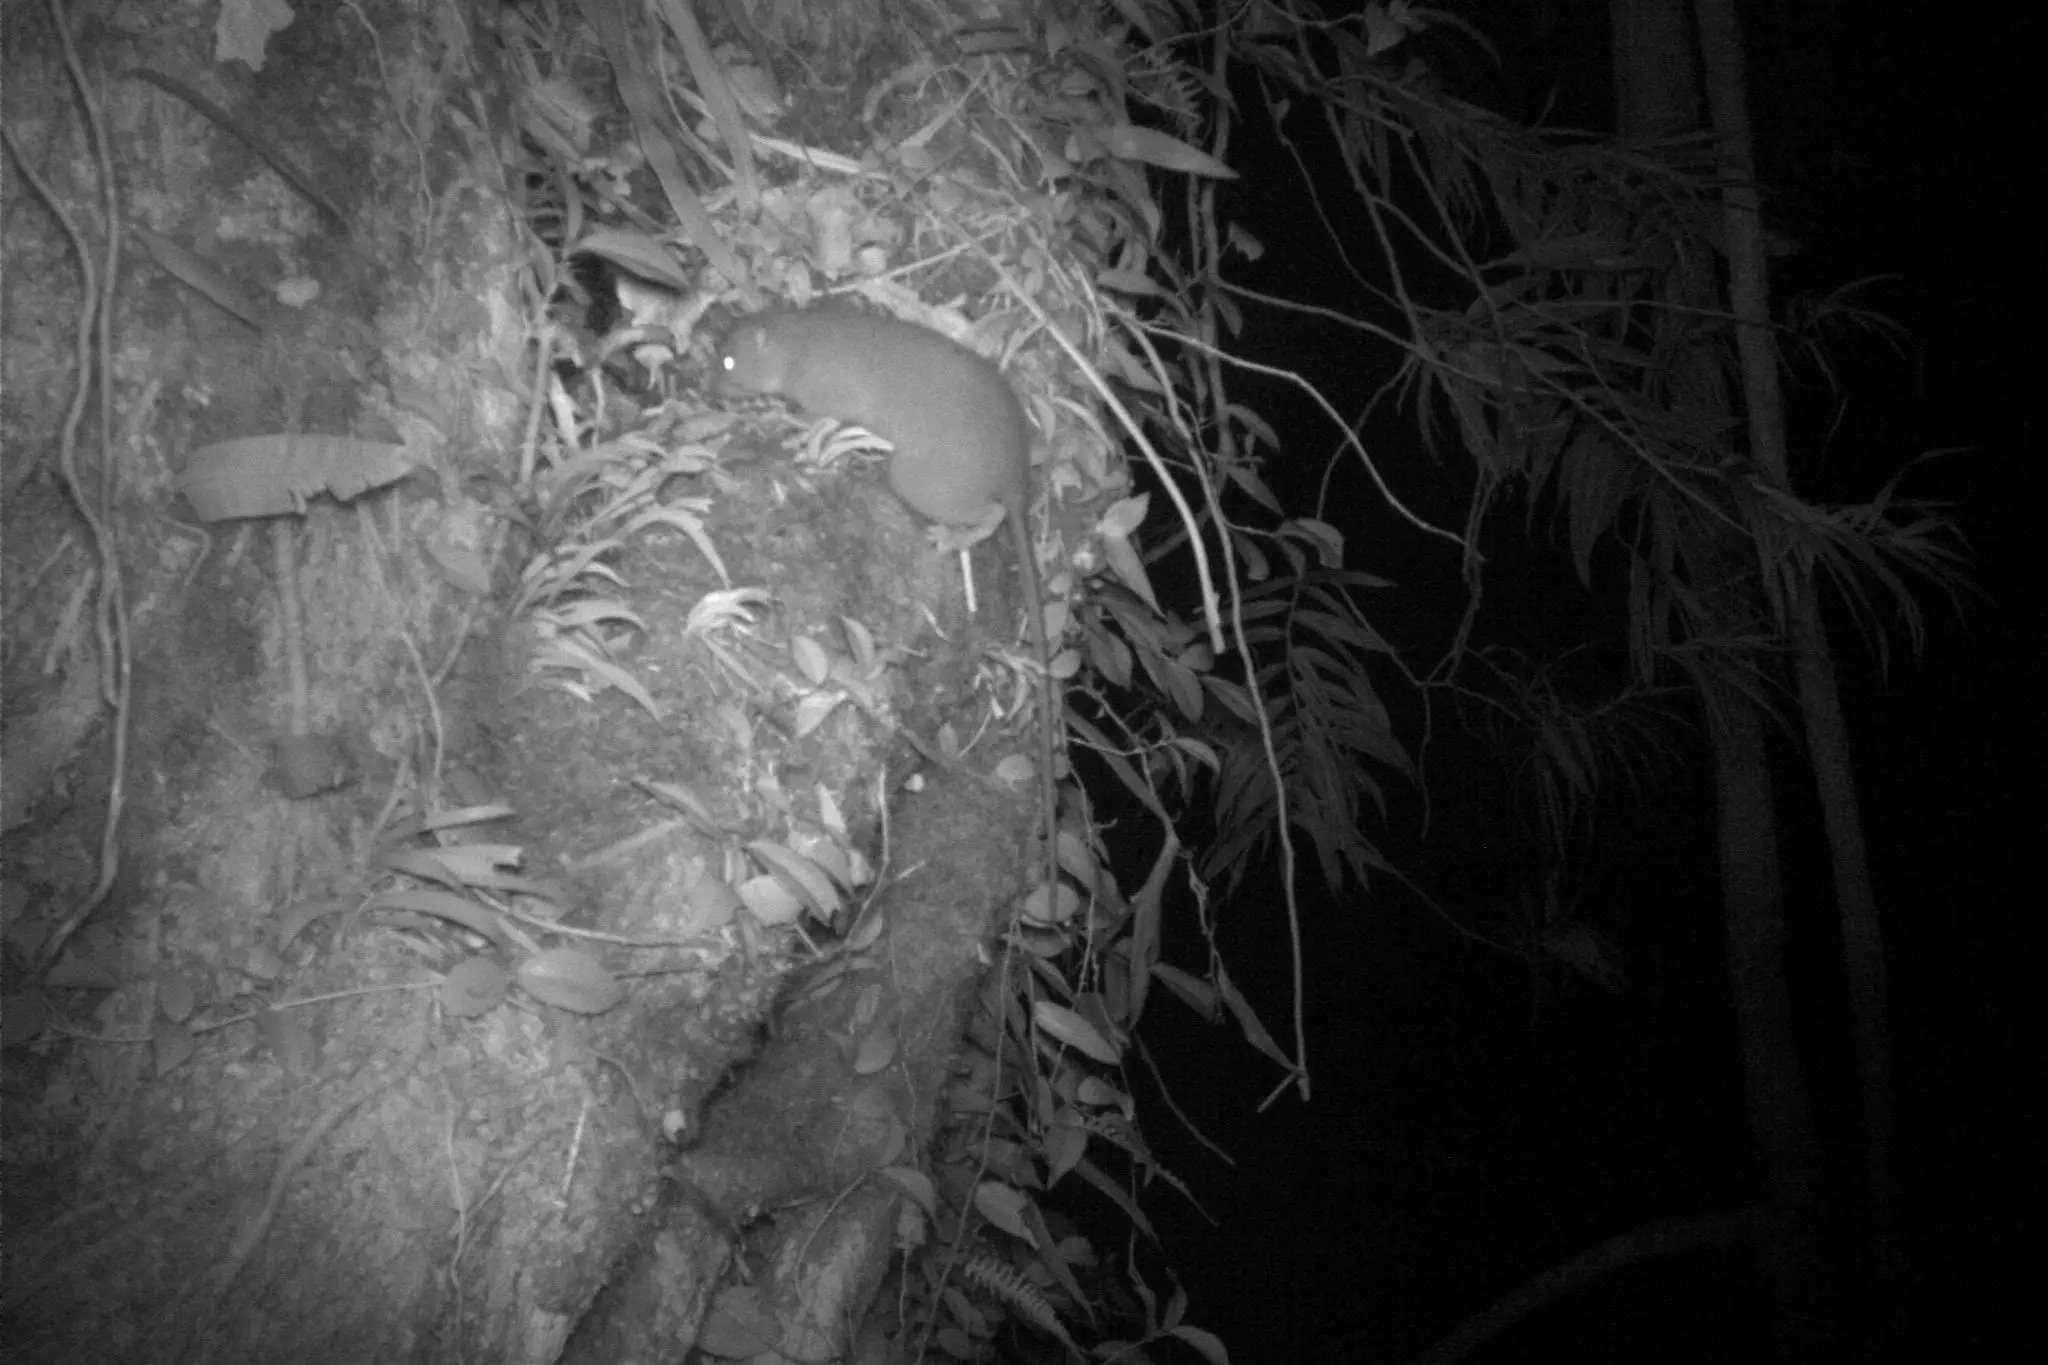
{"points": [[1791, 1245], [1863, 959], [304, 1094], [1820, 703], [1656, 92]]}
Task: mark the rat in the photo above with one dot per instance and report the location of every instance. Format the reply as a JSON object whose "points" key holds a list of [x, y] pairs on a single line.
{"points": [[963, 444]]}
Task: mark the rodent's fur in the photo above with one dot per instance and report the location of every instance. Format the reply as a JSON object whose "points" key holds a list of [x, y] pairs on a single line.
{"points": [[962, 442]]}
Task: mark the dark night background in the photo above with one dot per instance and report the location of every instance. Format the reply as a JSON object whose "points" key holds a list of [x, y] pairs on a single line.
{"points": [[1475, 1119]]}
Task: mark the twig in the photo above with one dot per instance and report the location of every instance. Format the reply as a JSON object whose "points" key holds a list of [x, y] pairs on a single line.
{"points": [[250, 138], [1667, 1238], [94, 342], [252, 1234]]}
